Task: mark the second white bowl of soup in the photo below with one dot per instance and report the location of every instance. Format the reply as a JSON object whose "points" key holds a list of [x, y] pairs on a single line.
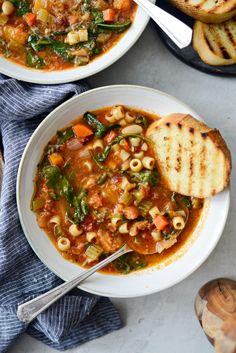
{"points": [[108, 183]]}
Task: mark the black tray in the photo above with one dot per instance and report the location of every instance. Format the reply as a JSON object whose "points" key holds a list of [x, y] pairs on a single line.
{"points": [[188, 55]]}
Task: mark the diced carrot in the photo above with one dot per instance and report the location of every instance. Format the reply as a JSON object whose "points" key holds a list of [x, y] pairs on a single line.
{"points": [[81, 130], [126, 146], [30, 18], [161, 222], [110, 136], [108, 15], [56, 159]]}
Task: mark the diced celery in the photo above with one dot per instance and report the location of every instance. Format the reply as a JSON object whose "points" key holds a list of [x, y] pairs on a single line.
{"points": [[38, 203], [93, 252], [144, 207]]}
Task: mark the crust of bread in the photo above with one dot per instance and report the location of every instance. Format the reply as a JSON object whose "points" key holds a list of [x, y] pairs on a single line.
{"points": [[192, 158], [215, 43], [208, 11]]}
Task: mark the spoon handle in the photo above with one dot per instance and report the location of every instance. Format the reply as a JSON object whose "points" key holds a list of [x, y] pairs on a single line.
{"points": [[28, 311], [179, 32]]}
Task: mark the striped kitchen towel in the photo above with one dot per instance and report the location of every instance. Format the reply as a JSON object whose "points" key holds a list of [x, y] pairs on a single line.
{"points": [[78, 317]]}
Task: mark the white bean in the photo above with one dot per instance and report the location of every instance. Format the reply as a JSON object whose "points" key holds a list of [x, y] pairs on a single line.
{"points": [[144, 147], [123, 228], [132, 129], [124, 155], [8, 8]]}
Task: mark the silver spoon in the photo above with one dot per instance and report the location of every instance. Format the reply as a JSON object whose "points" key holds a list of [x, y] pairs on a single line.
{"points": [[28, 311], [179, 32]]}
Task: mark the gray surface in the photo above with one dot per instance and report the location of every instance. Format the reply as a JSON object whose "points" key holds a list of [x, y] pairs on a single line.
{"points": [[165, 322]]}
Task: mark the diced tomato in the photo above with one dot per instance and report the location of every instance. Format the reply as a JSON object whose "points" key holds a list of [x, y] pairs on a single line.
{"points": [[108, 15], [30, 18], [131, 212], [81, 130], [95, 200], [161, 222], [110, 136], [126, 145]]}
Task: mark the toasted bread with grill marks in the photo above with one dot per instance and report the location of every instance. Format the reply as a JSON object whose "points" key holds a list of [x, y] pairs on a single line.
{"points": [[209, 11], [216, 43], [192, 158]]}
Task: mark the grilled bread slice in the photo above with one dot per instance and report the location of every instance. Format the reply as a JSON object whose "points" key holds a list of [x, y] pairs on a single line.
{"points": [[209, 11], [216, 43], [192, 158]]}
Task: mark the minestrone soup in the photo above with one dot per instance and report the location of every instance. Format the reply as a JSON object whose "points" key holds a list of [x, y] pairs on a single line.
{"points": [[97, 186], [57, 34]]}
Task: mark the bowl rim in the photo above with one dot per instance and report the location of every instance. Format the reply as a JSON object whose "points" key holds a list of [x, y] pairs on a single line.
{"points": [[180, 278], [77, 75]]}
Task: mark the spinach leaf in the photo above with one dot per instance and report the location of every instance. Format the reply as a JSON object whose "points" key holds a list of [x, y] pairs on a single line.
{"points": [[102, 179], [64, 136], [146, 176], [59, 48], [129, 262], [34, 60], [97, 16], [141, 120], [22, 6], [104, 154], [98, 127]]}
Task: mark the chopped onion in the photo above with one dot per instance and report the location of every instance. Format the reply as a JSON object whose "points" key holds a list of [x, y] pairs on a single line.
{"points": [[84, 153], [74, 145]]}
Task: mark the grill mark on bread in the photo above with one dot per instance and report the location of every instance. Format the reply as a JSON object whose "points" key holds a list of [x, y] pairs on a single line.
{"points": [[202, 168]]}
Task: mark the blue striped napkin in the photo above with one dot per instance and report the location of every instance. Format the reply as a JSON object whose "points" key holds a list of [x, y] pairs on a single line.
{"points": [[78, 317]]}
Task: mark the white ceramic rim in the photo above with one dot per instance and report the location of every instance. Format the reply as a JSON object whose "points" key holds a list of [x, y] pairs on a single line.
{"points": [[11, 69], [224, 208]]}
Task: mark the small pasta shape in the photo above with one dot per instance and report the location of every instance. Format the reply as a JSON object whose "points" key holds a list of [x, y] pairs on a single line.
{"points": [[124, 155], [178, 222], [74, 230], [98, 144], [55, 219], [148, 162], [156, 235], [136, 165], [144, 147], [90, 236], [116, 219], [129, 118], [123, 228], [88, 165], [126, 185], [110, 118], [117, 112], [154, 211], [135, 141], [132, 129], [139, 155], [125, 165], [134, 229], [122, 122], [63, 244]]}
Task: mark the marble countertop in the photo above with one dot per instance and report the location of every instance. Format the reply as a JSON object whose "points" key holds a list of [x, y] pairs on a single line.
{"points": [[165, 322]]}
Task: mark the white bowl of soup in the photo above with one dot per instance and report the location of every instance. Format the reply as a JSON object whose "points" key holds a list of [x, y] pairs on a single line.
{"points": [[88, 182], [52, 42]]}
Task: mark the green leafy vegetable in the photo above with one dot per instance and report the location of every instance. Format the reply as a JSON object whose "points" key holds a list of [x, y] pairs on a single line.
{"points": [[61, 186], [64, 136], [34, 60], [97, 16], [129, 262], [141, 120], [146, 176], [98, 127], [117, 27], [61, 49], [187, 201], [22, 6]]}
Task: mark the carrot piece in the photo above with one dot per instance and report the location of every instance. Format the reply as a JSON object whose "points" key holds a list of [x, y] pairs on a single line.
{"points": [[108, 15], [56, 159], [110, 136], [81, 130], [161, 222], [126, 146], [30, 18]]}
